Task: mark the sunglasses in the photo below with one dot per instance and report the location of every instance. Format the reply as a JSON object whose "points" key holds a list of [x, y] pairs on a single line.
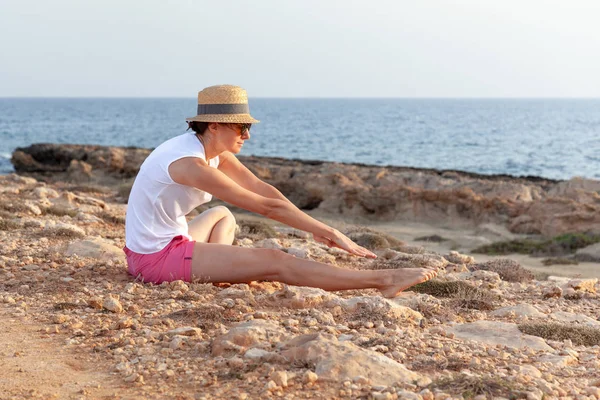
{"points": [[243, 127]]}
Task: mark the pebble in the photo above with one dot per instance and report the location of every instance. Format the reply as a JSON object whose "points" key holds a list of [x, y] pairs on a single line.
{"points": [[310, 377]]}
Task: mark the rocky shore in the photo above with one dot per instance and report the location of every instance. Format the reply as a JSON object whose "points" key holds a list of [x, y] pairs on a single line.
{"points": [[78, 326], [528, 205]]}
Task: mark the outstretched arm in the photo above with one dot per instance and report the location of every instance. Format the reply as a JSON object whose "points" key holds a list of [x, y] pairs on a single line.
{"points": [[239, 173], [192, 171]]}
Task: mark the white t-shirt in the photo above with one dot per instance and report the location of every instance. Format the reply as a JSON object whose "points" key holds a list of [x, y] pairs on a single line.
{"points": [[158, 205]]}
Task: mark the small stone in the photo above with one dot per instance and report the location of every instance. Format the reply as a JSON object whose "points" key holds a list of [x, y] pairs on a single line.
{"points": [[585, 285], [310, 377], [552, 291], [280, 378], [112, 304], [381, 396], [361, 380], [95, 302], [271, 386], [228, 303], [177, 342], [185, 331], [60, 318], [125, 323]]}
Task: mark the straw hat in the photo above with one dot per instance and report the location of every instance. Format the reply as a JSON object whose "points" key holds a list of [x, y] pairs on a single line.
{"points": [[223, 103]]}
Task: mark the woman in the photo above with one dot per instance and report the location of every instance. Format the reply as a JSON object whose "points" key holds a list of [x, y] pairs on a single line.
{"points": [[185, 171]]}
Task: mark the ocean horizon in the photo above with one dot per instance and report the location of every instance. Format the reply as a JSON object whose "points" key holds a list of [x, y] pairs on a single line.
{"points": [[553, 138]]}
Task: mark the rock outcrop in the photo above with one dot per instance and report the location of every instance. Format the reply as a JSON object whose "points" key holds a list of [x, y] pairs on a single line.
{"points": [[527, 205]]}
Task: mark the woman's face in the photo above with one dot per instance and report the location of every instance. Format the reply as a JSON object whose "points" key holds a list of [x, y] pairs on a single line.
{"points": [[233, 136]]}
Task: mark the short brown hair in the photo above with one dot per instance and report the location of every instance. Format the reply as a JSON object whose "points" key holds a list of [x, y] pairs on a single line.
{"points": [[198, 127]]}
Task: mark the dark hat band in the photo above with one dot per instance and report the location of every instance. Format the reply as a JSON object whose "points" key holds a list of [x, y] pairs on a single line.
{"points": [[223, 109]]}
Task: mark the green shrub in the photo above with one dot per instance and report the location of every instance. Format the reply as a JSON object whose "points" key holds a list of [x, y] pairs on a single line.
{"points": [[521, 246], [560, 245]]}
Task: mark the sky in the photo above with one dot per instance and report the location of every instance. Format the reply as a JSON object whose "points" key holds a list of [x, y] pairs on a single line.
{"points": [[293, 48]]}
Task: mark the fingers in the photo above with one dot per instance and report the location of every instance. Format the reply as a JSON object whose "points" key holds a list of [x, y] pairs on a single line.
{"points": [[362, 252]]}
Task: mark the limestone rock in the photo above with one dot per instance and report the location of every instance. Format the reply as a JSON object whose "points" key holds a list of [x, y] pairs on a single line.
{"points": [[520, 310], [113, 304], [303, 297], [185, 331], [95, 247], [339, 361], [457, 258], [380, 306], [493, 333], [585, 285], [570, 318], [589, 253], [551, 291], [255, 333]]}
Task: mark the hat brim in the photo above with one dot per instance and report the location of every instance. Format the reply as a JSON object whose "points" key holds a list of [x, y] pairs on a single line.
{"points": [[225, 118]]}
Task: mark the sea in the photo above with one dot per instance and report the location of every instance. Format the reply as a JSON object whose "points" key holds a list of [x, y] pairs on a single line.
{"points": [[549, 138]]}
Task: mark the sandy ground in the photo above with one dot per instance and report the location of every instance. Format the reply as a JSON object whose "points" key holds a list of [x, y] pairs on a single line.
{"points": [[35, 364]]}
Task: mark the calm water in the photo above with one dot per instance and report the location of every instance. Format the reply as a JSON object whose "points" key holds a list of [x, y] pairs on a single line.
{"points": [[550, 138]]}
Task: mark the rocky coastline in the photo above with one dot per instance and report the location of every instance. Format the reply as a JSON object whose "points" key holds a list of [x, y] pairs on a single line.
{"points": [[480, 330], [524, 205]]}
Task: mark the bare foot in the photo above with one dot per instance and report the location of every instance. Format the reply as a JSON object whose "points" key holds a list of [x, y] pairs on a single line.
{"points": [[403, 278]]}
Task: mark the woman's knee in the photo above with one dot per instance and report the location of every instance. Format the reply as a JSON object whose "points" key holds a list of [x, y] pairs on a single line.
{"points": [[274, 262], [223, 212]]}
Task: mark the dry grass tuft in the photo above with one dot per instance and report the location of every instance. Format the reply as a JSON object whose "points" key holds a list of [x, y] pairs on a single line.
{"points": [[420, 261], [473, 304], [433, 310], [8, 225], [111, 219], [205, 316], [471, 386], [13, 208], [67, 306], [509, 270], [462, 294], [90, 189], [372, 239], [60, 233], [6, 214], [431, 239], [438, 288], [559, 261], [256, 230], [365, 312], [59, 211], [579, 335]]}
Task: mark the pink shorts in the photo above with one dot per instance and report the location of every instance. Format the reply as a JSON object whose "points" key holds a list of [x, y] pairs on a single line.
{"points": [[172, 263]]}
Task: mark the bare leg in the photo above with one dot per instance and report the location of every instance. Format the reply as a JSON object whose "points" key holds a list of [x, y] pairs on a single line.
{"points": [[216, 225], [222, 263]]}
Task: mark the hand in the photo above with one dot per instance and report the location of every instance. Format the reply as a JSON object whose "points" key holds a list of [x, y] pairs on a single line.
{"points": [[341, 241]]}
